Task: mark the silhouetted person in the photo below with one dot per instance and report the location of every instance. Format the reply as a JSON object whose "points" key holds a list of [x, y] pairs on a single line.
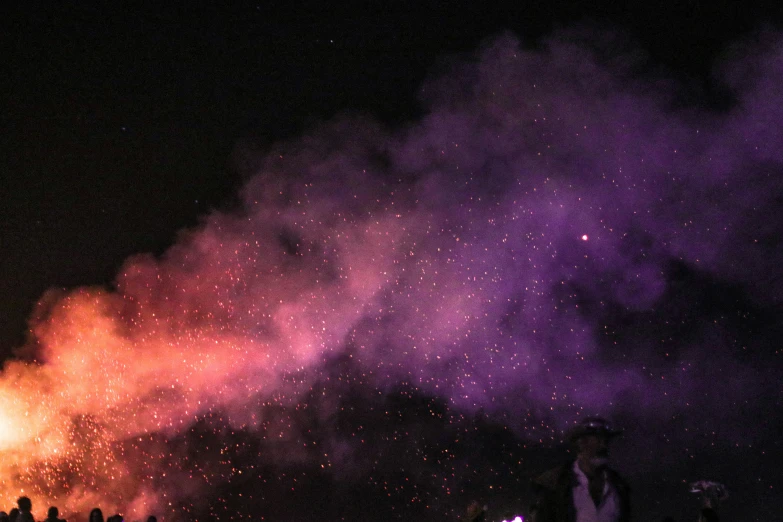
{"points": [[115, 518], [52, 514], [96, 515], [585, 488], [4, 517], [13, 514], [152, 518], [25, 506]]}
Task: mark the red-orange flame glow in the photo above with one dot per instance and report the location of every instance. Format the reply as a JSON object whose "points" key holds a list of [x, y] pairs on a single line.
{"points": [[114, 369]]}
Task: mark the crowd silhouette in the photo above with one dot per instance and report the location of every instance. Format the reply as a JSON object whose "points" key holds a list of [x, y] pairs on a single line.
{"points": [[23, 513]]}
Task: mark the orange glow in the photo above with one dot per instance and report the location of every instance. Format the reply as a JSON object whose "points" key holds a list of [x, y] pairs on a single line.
{"points": [[115, 370]]}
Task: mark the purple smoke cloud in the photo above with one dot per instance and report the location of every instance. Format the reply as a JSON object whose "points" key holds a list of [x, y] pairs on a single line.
{"points": [[514, 255]]}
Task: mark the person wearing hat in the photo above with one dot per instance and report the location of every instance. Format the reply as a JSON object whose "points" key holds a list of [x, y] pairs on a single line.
{"points": [[585, 489]]}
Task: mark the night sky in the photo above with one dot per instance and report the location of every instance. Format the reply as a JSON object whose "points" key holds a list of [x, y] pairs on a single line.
{"points": [[353, 263]]}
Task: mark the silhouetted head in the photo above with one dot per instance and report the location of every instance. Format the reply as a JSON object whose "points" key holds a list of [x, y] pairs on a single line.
{"points": [[52, 513], [96, 515], [4, 516], [476, 513], [591, 439], [152, 518], [24, 504], [592, 426], [13, 513]]}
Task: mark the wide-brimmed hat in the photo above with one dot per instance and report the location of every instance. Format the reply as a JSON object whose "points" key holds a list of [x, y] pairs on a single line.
{"points": [[591, 426]]}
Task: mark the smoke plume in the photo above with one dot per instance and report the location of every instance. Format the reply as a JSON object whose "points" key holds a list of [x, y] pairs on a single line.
{"points": [[410, 314]]}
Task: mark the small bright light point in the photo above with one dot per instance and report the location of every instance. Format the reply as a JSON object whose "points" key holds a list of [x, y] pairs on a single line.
{"points": [[584, 237]]}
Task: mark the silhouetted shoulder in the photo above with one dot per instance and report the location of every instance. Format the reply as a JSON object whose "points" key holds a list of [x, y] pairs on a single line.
{"points": [[618, 481]]}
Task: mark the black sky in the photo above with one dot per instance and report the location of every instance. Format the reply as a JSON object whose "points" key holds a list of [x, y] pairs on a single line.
{"points": [[119, 123]]}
